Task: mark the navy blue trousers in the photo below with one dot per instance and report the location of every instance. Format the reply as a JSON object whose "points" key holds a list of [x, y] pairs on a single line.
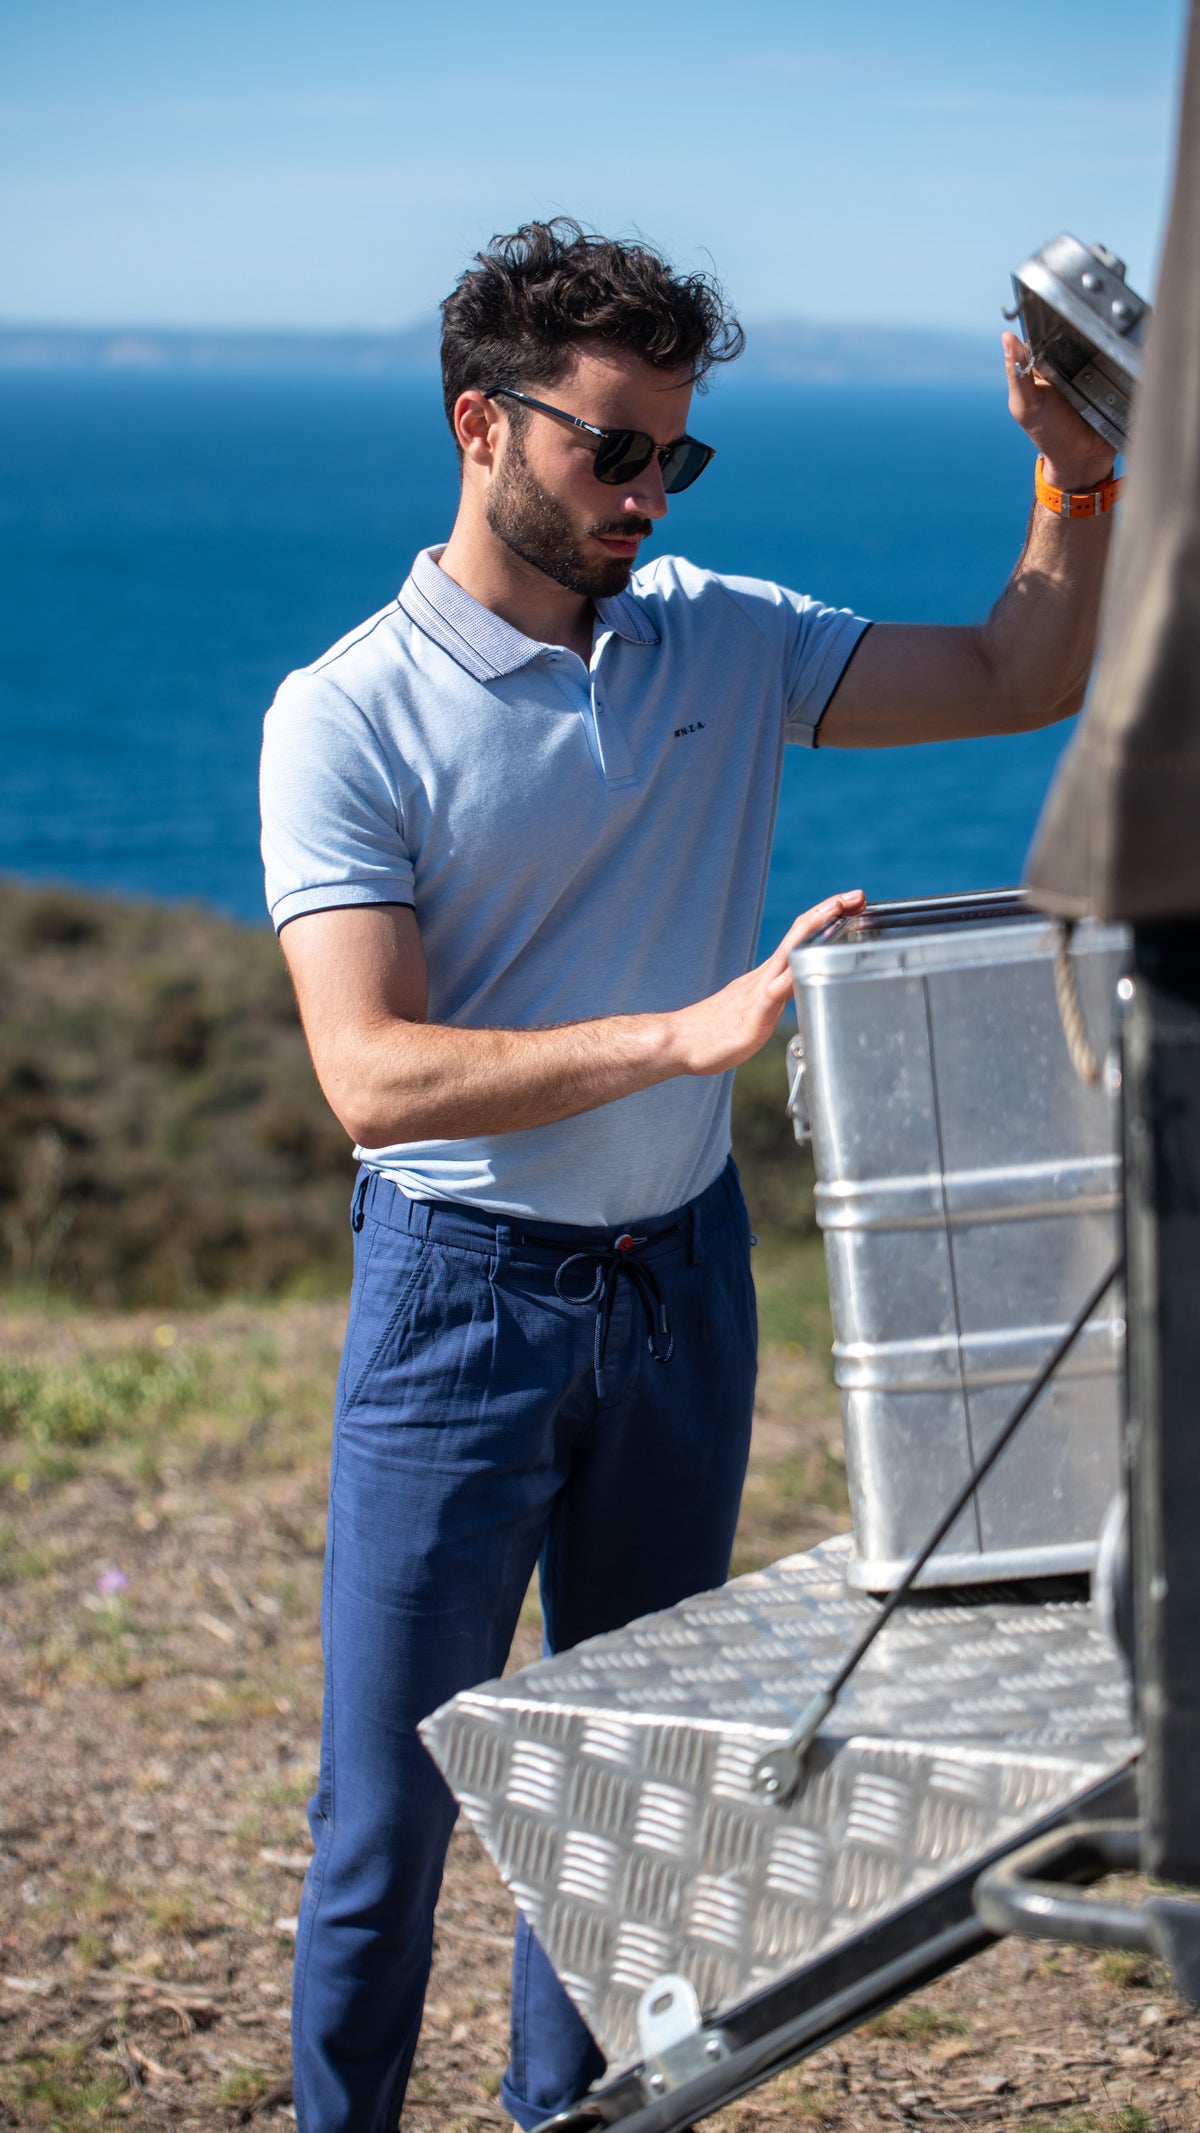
{"points": [[475, 1438]]}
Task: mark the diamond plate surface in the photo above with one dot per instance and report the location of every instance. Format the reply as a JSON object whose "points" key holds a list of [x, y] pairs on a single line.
{"points": [[611, 1785]]}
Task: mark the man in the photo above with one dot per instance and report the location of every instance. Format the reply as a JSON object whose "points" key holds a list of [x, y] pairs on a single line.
{"points": [[516, 831]]}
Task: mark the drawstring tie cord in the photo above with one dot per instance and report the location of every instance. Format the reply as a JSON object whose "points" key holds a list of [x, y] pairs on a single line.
{"points": [[609, 1266]]}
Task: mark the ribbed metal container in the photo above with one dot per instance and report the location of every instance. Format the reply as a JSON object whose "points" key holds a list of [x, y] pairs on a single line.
{"points": [[968, 1194]]}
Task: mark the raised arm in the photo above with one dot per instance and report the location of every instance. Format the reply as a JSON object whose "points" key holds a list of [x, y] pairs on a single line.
{"points": [[1028, 664], [390, 1076]]}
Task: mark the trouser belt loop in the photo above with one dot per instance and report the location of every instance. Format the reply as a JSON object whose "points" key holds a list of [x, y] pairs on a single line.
{"points": [[418, 1217], [695, 1240]]}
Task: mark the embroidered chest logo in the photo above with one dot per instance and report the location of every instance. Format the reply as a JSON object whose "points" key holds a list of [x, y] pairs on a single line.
{"points": [[697, 727]]}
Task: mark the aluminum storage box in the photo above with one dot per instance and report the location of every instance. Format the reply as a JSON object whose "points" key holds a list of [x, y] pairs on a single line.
{"points": [[968, 1194]]}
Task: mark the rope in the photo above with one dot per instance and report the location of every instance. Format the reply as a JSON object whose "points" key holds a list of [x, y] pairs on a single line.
{"points": [[1070, 1008]]}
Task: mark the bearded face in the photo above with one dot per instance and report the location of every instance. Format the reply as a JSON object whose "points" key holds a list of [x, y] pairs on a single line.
{"points": [[538, 528]]}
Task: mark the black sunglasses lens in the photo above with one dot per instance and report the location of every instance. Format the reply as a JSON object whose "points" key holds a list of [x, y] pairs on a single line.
{"points": [[685, 463], [623, 454]]}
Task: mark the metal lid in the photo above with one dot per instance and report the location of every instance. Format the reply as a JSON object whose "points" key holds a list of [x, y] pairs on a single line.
{"points": [[1085, 327], [928, 932]]}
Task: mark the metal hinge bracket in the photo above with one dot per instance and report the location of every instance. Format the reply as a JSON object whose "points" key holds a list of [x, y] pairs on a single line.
{"points": [[675, 2044]]}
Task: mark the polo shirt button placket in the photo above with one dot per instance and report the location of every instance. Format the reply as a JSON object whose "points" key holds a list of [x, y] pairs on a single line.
{"points": [[611, 741]]}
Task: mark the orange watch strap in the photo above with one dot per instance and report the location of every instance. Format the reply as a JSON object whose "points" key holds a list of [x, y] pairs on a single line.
{"points": [[1076, 503]]}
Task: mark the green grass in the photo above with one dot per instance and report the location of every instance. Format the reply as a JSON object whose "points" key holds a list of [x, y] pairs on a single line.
{"points": [[1131, 2119], [22, 1564], [244, 2084], [240, 1401], [1123, 1967], [48, 2090], [290, 1792], [252, 1698], [919, 2022], [793, 1295], [804, 2098], [779, 1501], [173, 1912], [100, 1898], [50, 1413]]}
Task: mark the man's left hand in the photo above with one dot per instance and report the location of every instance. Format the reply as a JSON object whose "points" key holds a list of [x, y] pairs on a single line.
{"points": [[1075, 455]]}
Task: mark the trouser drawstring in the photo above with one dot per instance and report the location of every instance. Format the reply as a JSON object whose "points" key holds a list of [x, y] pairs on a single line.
{"points": [[609, 1265]]}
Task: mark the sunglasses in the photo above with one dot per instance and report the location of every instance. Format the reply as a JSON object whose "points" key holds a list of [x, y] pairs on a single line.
{"points": [[620, 454]]}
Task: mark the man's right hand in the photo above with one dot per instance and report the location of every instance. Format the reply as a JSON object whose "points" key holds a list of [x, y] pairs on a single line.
{"points": [[391, 1077], [733, 1024]]}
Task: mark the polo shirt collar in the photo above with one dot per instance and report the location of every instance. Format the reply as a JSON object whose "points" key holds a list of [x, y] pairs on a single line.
{"points": [[482, 642]]}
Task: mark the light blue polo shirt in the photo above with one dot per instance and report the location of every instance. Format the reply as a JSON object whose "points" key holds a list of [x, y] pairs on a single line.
{"points": [[576, 841]]}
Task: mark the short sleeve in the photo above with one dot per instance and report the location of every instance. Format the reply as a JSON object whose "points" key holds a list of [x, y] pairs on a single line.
{"points": [[814, 645], [332, 832]]}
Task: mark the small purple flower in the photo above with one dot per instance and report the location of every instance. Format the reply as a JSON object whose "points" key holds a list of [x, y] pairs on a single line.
{"points": [[110, 1582]]}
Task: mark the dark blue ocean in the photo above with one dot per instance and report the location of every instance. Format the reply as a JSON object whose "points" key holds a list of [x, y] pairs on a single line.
{"points": [[171, 544]]}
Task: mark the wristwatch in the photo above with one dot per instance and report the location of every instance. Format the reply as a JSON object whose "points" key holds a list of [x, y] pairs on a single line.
{"points": [[1076, 503]]}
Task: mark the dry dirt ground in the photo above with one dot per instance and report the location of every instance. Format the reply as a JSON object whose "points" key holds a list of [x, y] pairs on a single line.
{"points": [[161, 1516]]}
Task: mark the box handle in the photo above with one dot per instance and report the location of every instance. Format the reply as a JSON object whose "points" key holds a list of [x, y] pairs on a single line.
{"points": [[797, 1103]]}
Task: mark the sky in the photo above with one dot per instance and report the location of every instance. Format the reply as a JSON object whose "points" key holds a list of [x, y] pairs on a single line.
{"points": [[334, 164]]}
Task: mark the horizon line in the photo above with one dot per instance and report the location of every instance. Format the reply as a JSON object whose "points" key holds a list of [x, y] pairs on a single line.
{"points": [[428, 322]]}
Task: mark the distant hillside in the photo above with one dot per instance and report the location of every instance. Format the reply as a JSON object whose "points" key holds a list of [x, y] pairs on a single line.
{"points": [[811, 354], [162, 1136], [134, 348], [799, 350]]}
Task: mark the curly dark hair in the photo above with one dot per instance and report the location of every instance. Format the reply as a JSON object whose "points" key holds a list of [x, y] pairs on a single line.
{"points": [[514, 313]]}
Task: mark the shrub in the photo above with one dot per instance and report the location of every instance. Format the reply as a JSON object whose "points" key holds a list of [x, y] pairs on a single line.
{"points": [[162, 1136]]}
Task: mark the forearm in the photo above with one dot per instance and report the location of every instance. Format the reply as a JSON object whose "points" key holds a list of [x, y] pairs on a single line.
{"points": [[390, 1076], [1037, 645], [410, 1081], [1026, 666]]}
